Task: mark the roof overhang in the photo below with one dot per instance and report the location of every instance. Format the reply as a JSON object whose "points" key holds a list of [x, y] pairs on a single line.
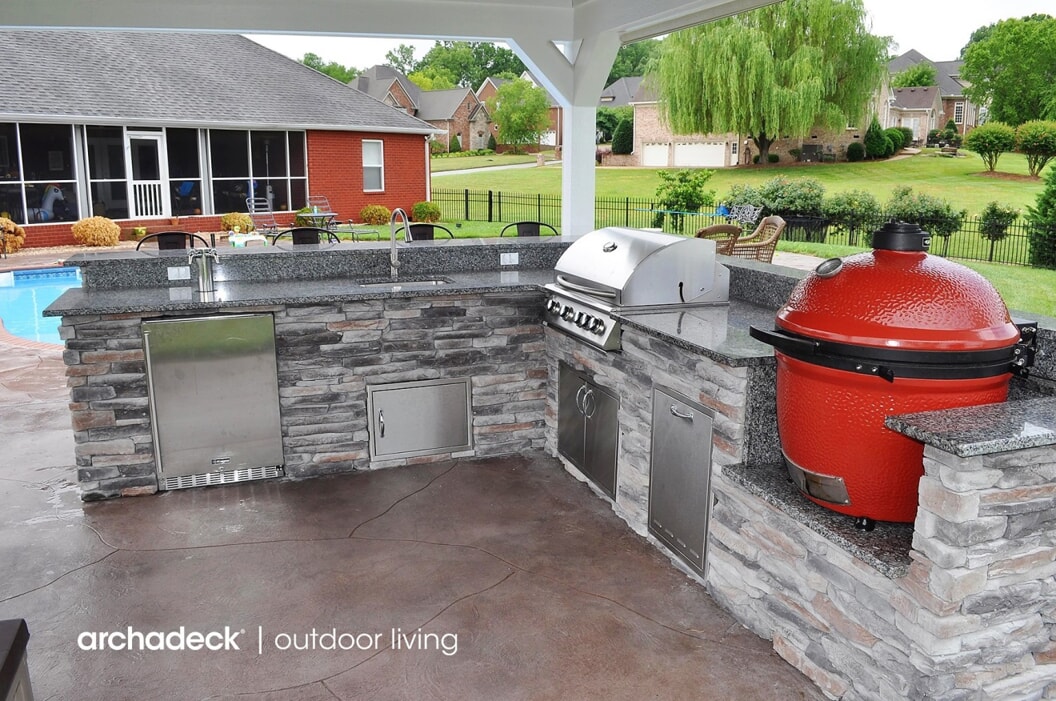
{"points": [[108, 121]]}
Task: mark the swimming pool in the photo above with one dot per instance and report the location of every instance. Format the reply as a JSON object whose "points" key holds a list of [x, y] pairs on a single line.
{"points": [[24, 294]]}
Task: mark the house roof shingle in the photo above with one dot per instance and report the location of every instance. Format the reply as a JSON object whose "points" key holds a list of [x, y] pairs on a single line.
{"points": [[914, 98], [621, 92], [177, 78], [441, 104], [947, 73]]}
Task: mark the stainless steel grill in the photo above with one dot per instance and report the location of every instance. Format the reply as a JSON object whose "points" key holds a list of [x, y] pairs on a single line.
{"points": [[614, 270]]}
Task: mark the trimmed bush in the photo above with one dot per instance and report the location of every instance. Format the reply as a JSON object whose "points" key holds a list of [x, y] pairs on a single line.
{"points": [[786, 197], [875, 144], [772, 158], [1037, 141], [854, 212], [14, 235], [682, 191], [425, 212], [994, 222], [229, 221], [897, 138], [623, 138], [934, 214], [1042, 217], [436, 147], [907, 136], [855, 151], [990, 140], [96, 231], [455, 146], [491, 142], [375, 214]]}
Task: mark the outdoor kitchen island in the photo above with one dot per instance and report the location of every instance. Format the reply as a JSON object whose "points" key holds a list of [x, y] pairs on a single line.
{"points": [[958, 606]]}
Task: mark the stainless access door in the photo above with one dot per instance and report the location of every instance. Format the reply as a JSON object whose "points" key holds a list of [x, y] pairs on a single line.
{"points": [[419, 418], [680, 474], [214, 398], [588, 427]]}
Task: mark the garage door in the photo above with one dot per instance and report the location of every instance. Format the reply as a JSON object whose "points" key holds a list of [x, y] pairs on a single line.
{"points": [[701, 155], [654, 155]]}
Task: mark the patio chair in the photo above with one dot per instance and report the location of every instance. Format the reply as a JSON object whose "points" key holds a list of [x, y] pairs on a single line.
{"points": [[527, 228], [263, 218], [306, 234], [320, 213], [421, 231], [173, 240], [763, 241], [724, 236]]}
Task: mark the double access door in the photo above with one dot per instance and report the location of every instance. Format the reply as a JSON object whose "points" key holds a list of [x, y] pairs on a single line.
{"points": [[587, 427]]}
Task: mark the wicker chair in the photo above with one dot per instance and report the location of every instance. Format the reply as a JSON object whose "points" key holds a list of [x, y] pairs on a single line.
{"points": [[761, 244], [724, 236]]}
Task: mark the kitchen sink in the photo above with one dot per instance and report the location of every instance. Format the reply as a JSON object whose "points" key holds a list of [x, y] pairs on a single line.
{"points": [[405, 284]]}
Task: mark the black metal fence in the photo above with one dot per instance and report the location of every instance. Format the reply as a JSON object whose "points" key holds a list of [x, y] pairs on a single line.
{"points": [[967, 243]]}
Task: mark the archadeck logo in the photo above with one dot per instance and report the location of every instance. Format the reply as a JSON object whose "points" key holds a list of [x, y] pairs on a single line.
{"points": [[174, 640]]}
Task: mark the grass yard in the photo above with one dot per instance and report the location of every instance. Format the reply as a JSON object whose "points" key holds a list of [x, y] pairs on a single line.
{"points": [[960, 180], [443, 164]]}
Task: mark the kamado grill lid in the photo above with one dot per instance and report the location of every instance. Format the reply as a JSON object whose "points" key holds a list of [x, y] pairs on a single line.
{"points": [[899, 297]]}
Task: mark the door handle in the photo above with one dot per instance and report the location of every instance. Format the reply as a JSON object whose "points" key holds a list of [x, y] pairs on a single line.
{"points": [[589, 397], [579, 399], [679, 414], [381, 424]]}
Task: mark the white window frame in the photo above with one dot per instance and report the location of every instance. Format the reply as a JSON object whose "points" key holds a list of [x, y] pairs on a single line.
{"points": [[958, 113], [379, 166]]}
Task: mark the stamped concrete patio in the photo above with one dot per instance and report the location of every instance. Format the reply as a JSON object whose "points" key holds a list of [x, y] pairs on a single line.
{"points": [[506, 578]]}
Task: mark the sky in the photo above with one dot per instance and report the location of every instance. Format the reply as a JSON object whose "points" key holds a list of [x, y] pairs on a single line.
{"points": [[936, 28]]}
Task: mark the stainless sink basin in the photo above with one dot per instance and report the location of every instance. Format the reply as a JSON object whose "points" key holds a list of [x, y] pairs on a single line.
{"points": [[410, 283]]}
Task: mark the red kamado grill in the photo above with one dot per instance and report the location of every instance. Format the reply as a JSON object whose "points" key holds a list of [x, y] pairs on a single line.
{"points": [[890, 331]]}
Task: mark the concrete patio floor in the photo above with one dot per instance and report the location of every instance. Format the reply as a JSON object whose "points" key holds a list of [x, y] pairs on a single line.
{"points": [[545, 592]]}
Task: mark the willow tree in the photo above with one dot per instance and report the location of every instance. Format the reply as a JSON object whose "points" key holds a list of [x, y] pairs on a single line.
{"points": [[780, 70]]}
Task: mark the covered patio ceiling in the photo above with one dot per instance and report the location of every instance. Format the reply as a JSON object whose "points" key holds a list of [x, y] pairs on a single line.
{"points": [[569, 45]]}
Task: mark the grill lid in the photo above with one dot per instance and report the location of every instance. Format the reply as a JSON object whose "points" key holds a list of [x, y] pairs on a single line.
{"points": [[632, 267]]}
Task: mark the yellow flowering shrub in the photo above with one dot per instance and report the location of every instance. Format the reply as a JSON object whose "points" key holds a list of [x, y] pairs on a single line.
{"points": [[375, 214], [96, 231], [229, 221], [14, 235]]}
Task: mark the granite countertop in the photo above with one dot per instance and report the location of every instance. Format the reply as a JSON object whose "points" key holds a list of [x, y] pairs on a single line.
{"points": [[719, 331], [886, 548], [980, 430]]}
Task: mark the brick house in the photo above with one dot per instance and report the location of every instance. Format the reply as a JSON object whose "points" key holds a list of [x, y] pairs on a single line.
{"points": [[455, 111], [954, 104], [143, 127]]}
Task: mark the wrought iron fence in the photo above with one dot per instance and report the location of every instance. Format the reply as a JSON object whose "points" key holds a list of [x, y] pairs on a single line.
{"points": [[967, 243]]}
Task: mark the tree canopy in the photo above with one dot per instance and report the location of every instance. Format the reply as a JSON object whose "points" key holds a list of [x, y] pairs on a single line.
{"points": [[1013, 69], [469, 63], [522, 112], [778, 70], [983, 32], [632, 60], [333, 69], [402, 59], [919, 76]]}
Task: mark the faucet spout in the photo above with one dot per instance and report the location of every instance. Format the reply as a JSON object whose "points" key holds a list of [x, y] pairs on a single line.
{"points": [[201, 261], [394, 262]]}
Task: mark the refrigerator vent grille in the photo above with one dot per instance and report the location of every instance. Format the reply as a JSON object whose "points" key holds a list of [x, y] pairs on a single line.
{"points": [[210, 478]]}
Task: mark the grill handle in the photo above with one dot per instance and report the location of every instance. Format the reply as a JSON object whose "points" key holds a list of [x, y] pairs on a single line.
{"points": [[565, 282], [790, 345]]}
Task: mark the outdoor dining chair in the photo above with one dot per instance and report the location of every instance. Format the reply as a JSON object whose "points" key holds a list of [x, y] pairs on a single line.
{"points": [[320, 213], [306, 234], [261, 215], [760, 245], [724, 236], [421, 231], [528, 228], [173, 240]]}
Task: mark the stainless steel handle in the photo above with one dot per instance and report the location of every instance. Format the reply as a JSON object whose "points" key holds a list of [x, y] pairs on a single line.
{"points": [[589, 397], [579, 399], [565, 282], [381, 424], [679, 414]]}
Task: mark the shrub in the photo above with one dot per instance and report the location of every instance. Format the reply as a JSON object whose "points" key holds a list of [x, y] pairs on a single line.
{"points": [[375, 214], [907, 136], [425, 212], [990, 140], [772, 158], [96, 231], [436, 147], [455, 146], [898, 138], [491, 142], [854, 212], [855, 151], [934, 136], [795, 153], [875, 144], [14, 235], [623, 137], [682, 191], [1037, 141], [994, 222], [229, 221], [741, 194], [933, 214], [1042, 217], [782, 196]]}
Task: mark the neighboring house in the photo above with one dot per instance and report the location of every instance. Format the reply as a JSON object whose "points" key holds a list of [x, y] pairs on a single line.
{"points": [[916, 108], [552, 136], [621, 92], [954, 104], [455, 111], [145, 126]]}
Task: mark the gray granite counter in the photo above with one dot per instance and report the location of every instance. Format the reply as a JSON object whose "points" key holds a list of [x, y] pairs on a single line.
{"points": [[981, 430]]}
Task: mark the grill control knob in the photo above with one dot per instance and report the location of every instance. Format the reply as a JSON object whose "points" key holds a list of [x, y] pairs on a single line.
{"points": [[553, 306], [581, 319], [568, 313], [597, 326]]}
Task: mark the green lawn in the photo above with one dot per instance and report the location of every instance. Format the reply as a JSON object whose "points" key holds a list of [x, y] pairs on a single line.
{"points": [[960, 180], [443, 164]]}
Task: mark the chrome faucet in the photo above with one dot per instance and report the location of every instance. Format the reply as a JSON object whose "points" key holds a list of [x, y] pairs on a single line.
{"points": [[201, 261], [394, 263]]}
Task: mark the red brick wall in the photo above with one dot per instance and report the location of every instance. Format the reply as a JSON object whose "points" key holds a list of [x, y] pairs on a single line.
{"points": [[335, 169]]}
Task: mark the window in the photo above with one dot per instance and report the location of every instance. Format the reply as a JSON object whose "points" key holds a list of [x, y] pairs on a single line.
{"points": [[373, 166], [267, 164], [37, 173], [958, 113], [105, 147], [185, 171], [733, 149]]}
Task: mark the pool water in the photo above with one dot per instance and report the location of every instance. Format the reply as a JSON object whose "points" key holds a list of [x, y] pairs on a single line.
{"points": [[24, 294]]}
